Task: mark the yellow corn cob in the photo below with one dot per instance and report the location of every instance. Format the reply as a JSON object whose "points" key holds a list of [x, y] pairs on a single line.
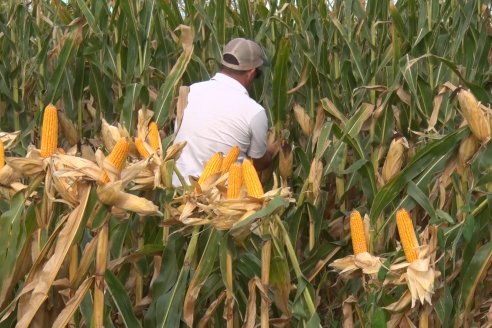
{"points": [[474, 115], [251, 179], [49, 132], [230, 158], [212, 167], [359, 243], [154, 136], [235, 181], [407, 235], [2, 154], [139, 144], [117, 157]]}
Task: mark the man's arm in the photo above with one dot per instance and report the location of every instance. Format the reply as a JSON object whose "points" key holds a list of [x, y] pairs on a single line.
{"points": [[266, 160]]}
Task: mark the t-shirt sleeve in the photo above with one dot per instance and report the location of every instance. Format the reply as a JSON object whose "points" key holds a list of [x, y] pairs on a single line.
{"points": [[259, 129]]}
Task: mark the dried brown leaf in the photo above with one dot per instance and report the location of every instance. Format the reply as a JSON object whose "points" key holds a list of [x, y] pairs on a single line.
{"points": [[43, 279], [63, 319]]}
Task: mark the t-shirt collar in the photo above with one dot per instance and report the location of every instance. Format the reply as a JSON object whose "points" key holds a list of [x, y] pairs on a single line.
{"points": [[223, 78]]}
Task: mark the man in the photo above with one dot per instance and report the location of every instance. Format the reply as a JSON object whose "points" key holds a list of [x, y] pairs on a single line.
{"points": [[220, 114]]}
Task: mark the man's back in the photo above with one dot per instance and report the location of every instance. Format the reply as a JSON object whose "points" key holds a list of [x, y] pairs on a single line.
{"points": [[219, 115]]}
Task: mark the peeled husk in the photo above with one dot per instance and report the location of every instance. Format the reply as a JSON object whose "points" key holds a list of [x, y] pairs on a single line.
{"points": [[364, 261], [208, 205], [420, 274]]}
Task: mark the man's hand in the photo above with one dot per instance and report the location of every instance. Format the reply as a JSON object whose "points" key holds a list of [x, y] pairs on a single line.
{"points": [[270, 153]]}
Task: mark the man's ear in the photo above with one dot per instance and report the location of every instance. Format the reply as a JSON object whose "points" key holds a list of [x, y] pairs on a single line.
{"points": [[251, 74]]}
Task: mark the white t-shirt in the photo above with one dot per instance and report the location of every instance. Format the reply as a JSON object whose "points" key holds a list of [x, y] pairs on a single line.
{"points": [[219, 115]]}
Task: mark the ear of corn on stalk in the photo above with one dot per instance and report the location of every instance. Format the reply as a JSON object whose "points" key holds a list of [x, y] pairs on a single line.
{"points": [[154, 136], [230, 158], [235, 181], [49, 132], [303, 119], [286, 160], [407, 235], [474, 115], [467, 149], [117, 157], [357, 231], [139, 144], [251, 179], [212, 167], [394, 159]]}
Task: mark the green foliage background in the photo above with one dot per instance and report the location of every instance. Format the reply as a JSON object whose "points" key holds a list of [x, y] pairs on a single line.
{"points": [[372, 68]]}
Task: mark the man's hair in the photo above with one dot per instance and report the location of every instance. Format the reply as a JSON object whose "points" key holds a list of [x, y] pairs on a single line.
{"points": [[231, 72]]}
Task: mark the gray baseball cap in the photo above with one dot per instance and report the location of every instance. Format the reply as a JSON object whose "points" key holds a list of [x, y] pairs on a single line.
{"points": [[248, 55]]}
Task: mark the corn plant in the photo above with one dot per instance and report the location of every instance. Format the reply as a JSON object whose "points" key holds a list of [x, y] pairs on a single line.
{"points": [[375, 211]]}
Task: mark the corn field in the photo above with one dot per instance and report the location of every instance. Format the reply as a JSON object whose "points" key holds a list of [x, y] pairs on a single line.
{"points": [[375, 213]]}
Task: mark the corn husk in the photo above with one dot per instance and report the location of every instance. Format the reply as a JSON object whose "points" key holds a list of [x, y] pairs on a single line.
{"points": [[394, 159], [364, 261], [286, 159], [68, 128], [303, 119], [143, 120], [109, 134], [112, 194], [468, 148], [474, 115], [315, 176], [420, 274]]}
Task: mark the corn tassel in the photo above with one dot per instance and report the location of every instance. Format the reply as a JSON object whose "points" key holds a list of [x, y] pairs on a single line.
{"points": [[49, 132], [139, 144], [117, 157], [154, 137], [212, 167], [407, 235], [235, 181], [359, 243], [2, 154], [230, 158], [251, 179]]}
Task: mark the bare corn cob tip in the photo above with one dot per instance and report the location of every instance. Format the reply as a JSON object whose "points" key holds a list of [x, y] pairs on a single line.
{"points": [[359, 243], [2, 154], [117, 157], [139, 144], [230, 158], [49, 132], [154, 136], [212, 167], [251, 179], [235, 181], [407, 235]]}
